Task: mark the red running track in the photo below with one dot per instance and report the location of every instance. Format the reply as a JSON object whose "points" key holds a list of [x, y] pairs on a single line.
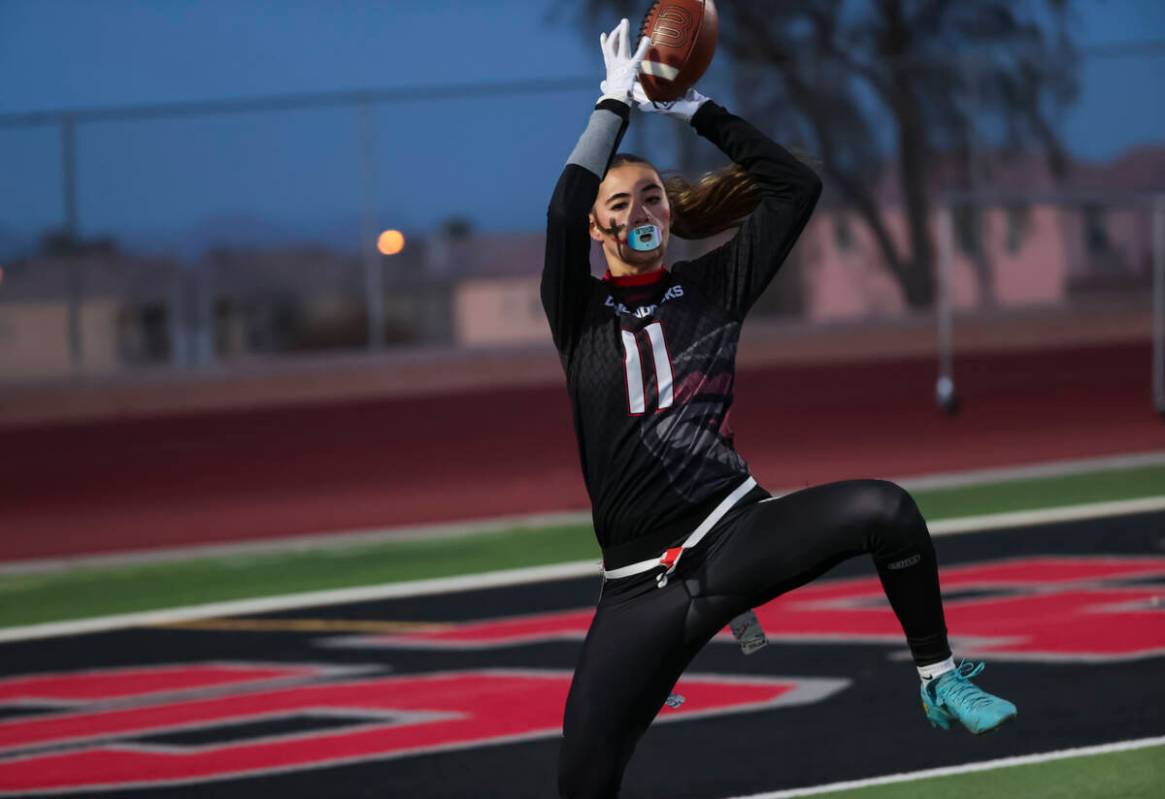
{"points": [[233, 476]]}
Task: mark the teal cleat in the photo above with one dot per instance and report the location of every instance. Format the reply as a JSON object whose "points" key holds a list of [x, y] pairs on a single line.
{"points": [[953, 697]]}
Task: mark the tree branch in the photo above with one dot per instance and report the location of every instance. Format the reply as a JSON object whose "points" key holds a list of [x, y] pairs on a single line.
{"points": [[855, 189]]}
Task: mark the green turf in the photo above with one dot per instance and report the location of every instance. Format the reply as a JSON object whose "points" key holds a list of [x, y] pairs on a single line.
{"points": [[1042, 492], [1138, 774], [77, 593], [84, 592]]}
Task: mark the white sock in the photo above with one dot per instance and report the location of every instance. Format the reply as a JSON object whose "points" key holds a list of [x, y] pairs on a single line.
{"points": [[934, 670]]}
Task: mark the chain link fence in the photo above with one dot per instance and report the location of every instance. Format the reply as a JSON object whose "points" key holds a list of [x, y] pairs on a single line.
{"points": [[224, 233]]}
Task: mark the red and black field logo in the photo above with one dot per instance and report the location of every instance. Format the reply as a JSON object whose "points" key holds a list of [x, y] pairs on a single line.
{"points": [[86, 731]]}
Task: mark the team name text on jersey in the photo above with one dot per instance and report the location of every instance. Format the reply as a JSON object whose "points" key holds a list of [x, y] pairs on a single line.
{"points": [[643, 311]]}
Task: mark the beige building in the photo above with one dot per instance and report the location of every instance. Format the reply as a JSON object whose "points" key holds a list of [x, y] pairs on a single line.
{"points": [[1038, 243]]}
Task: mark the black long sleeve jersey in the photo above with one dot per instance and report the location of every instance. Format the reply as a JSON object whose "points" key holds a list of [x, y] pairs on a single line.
{"points": [[650, 359]]}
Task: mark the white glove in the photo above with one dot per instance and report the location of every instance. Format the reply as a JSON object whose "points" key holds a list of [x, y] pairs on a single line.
{"points": [[622, 64], [682, 109]]}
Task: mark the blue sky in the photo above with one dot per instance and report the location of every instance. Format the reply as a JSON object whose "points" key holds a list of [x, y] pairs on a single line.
{"points": [[298, 173]]}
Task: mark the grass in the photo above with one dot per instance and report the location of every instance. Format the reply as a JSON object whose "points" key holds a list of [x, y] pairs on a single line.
{"points": [[1034, 493], [98, 591], [1136, 774], [84, 592]]}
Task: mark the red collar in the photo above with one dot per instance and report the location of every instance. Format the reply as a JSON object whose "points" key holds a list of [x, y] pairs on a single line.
{"points": [[645, 279]]}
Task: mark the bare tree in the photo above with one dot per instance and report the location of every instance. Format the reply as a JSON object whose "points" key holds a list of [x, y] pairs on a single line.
{"points": [[879, 84]]}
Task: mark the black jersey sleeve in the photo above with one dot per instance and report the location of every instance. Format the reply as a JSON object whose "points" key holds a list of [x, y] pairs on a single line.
{"points": [[737, 273], [566, 272]]}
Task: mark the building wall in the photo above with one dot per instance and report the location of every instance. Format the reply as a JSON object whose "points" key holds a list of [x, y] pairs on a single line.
{"points": [[1038, 256], [1027, 258], [34, 339], [499, 311]]}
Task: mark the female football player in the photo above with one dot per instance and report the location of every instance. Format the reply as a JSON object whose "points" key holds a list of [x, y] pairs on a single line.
{"points": [[689, 540]]}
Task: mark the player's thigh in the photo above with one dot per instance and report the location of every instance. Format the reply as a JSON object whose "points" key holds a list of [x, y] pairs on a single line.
{"points": [[779, 544], [632, 656], [629, 652]]}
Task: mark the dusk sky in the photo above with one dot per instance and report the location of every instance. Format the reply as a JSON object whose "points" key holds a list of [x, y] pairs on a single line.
{"points": [[297, 173]]}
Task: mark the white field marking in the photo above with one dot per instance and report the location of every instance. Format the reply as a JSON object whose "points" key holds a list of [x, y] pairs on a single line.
{"points": [[509, 577], [1032, 471], [305, 543], [967, 768], [411, 588], [1025, 518], [452, 530]]}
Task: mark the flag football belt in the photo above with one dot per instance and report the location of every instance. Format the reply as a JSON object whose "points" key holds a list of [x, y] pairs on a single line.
{"points": [[671, 557]]}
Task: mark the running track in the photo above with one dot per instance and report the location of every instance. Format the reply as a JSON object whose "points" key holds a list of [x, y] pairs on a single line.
{"points": [[230, 476]]}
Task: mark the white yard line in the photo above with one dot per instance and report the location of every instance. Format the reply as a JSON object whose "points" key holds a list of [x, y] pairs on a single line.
{"points": [[411, 588], [1032, 471], [511, 577], [300, 543], [1025, 518], [471, 527], [967, 768]]}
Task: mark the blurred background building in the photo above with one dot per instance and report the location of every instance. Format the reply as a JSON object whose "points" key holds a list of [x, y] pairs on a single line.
{"points": [[195, 192]]}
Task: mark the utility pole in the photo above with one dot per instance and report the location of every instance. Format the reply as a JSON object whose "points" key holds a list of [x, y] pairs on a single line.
{"points": [[76, 287], [373, 263]]}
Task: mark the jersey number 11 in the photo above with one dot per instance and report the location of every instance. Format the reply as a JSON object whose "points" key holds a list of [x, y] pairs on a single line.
{"points": [[634, 369]]}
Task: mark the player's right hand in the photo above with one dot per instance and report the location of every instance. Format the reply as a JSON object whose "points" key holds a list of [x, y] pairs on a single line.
{"points": [[682, 109], [622, 65]]}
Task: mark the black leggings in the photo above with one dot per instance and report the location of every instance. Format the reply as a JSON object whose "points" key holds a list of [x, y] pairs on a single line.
{"points": [[643, 637]]}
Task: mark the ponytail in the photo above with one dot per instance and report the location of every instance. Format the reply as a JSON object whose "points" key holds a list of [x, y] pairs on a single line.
{"points": [[717, 202]]}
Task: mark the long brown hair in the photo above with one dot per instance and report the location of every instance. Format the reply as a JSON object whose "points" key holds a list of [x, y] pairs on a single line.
{"points": [[716, 202]]}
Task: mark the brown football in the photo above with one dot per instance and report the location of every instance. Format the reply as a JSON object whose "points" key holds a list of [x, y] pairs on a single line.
{"points": [[683, 40]]}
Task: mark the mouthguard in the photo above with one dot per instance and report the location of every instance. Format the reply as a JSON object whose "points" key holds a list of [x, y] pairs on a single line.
{"points": [[644, 238]]}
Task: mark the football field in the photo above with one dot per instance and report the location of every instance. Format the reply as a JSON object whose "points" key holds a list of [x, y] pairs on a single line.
{"points": [[401, 690], [333, 365]]}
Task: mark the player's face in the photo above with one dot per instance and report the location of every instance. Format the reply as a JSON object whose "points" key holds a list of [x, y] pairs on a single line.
{"points": [[631, 196]]}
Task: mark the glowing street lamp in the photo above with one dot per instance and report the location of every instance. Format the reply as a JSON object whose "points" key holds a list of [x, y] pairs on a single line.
{"points": [[390, 242]]}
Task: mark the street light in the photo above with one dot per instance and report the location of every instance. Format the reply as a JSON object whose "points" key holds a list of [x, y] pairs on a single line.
{"points": [[390, 242]]}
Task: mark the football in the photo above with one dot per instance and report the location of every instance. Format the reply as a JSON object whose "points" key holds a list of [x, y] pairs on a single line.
{"points": [[683, 37]]}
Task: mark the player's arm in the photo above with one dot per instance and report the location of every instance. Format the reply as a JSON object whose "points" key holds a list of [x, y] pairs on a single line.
{"points": [[566, 272], [737, 273]]}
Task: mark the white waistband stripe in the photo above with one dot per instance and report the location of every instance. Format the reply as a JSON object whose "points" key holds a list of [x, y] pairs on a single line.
{"points": [[692, 540]]}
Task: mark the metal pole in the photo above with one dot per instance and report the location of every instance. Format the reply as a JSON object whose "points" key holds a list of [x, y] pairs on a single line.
{"points": [[69, 174], [69, 191], [944, 389], [373, 263], [1159, 304]]}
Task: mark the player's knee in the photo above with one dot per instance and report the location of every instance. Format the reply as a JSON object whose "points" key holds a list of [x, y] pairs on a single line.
{"points": [[894, 515]]}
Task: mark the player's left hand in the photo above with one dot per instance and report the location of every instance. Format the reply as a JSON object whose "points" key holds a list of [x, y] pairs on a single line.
{"points": [[622, 65], [682, 109]]}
